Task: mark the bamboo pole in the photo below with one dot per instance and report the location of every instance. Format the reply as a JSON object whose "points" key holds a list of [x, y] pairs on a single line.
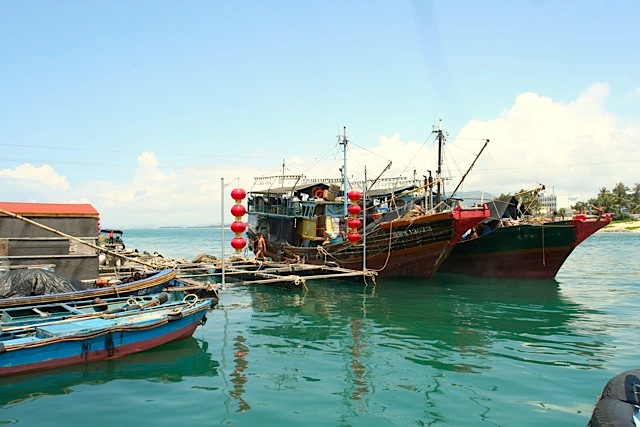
{"points": [[75, 239]]}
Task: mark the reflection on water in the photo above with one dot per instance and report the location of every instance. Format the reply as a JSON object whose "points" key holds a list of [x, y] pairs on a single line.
{"points": [[445, 324], [238, 378], [168, 363], [408, 334], [358, 369]]}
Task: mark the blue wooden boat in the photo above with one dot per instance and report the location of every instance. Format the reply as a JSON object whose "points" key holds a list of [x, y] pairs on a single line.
{"points": [[171, 362], [11, 317], [144, 283], [36, 346]]}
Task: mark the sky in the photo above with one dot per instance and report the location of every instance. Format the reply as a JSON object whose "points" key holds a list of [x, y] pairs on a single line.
{"points": [[154, 110]]}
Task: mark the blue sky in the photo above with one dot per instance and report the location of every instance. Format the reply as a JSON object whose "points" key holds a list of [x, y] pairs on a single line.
{"points": [[142, 107]]}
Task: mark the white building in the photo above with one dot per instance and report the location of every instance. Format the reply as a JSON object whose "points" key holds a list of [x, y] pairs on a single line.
{"points": [[553, 203]]}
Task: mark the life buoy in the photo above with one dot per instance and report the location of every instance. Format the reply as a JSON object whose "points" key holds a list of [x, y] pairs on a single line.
{"points": [[317, 192]]}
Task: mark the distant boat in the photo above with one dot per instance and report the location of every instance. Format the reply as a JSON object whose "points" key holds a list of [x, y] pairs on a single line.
{"points": [[408, 230], [46, 344], [510, 246], [111, 239], [37, 286]]}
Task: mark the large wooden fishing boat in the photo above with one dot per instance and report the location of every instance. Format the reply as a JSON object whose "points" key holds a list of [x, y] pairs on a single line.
{"points": [[512, 246], [407, 229]]}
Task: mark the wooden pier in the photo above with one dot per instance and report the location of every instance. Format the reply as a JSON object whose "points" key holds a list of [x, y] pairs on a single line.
{"points": [[250, 272]]}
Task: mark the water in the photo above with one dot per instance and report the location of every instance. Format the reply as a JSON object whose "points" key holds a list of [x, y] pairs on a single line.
{"points": [[452, 351]]}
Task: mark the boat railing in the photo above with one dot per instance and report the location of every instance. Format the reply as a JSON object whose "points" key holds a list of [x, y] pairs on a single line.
{"points": [[293, 209]]}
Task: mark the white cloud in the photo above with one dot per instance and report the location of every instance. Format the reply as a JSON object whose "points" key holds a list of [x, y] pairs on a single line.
{"points": [[153, 197], [635, 93], [574, 148], [37, 183]]}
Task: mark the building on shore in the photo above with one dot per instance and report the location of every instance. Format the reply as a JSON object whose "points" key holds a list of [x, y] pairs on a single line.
{"points": [[554, 203], [24, 244]]}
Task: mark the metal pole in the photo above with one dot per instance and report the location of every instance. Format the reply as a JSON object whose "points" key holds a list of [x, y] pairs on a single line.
{"points": [[364, 222], [222, 225], [344, 171]]}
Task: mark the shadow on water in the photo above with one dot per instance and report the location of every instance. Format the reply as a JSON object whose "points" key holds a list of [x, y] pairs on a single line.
{"points": [[169, 363]]}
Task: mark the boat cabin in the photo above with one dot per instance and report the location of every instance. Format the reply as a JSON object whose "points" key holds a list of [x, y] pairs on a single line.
{"points": [[304, 215], [312, 213]]}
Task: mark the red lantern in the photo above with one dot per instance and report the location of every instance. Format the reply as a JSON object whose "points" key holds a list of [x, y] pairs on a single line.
{"points": [[238, 210], [354, 223], [354, 237], [238, 227], [354, 210], [238, 194], [354, 196], [238, 243]]}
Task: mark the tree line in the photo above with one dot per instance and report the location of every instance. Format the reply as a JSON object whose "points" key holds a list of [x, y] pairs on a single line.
{"points": [[621, 201]]}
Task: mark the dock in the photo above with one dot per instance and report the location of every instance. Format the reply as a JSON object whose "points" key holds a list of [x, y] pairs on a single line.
{"points": [[241, 271], [246, 272]]}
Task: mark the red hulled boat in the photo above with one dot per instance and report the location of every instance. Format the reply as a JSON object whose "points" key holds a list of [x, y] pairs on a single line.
{"points": [[521, 248]]}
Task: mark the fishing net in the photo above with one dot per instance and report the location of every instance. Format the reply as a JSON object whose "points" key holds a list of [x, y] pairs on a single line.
{"points": [[28, 282]]}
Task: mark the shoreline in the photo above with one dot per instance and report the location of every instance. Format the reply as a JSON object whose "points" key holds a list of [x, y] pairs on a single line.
{"points": [[622, 227]]}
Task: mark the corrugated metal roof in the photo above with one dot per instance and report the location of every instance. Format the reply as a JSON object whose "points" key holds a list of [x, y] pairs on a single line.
{"points": [[49, 209]]}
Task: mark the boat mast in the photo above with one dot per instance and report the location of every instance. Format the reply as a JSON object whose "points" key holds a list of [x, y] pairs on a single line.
{"points": [[439, 171], [470, 167], [344, 170]]}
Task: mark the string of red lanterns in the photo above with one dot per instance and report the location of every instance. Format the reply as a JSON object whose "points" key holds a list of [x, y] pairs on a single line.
{"points": [[354, 222], [238, 226]]}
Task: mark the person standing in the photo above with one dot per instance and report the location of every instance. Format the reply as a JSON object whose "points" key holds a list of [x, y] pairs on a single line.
{"points": [[261, 248]]}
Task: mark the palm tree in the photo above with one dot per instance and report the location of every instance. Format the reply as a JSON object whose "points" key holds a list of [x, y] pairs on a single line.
{"points": [[635, 198], [580, 207], [605, 200], [620, 196]]}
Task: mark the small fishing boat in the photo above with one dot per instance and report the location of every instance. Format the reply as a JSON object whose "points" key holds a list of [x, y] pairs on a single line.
{"points": [[39, 286], [102, 335], [30, 314], [510, 245], [111, 239], [168, 363]]}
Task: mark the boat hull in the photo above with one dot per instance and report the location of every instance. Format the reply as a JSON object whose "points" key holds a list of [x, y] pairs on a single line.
{"points": [[147, 286], [530, 251], [413, 247], [90, 340]]}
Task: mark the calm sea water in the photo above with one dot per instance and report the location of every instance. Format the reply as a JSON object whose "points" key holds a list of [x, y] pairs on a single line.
{"points": [[451, 351]]}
